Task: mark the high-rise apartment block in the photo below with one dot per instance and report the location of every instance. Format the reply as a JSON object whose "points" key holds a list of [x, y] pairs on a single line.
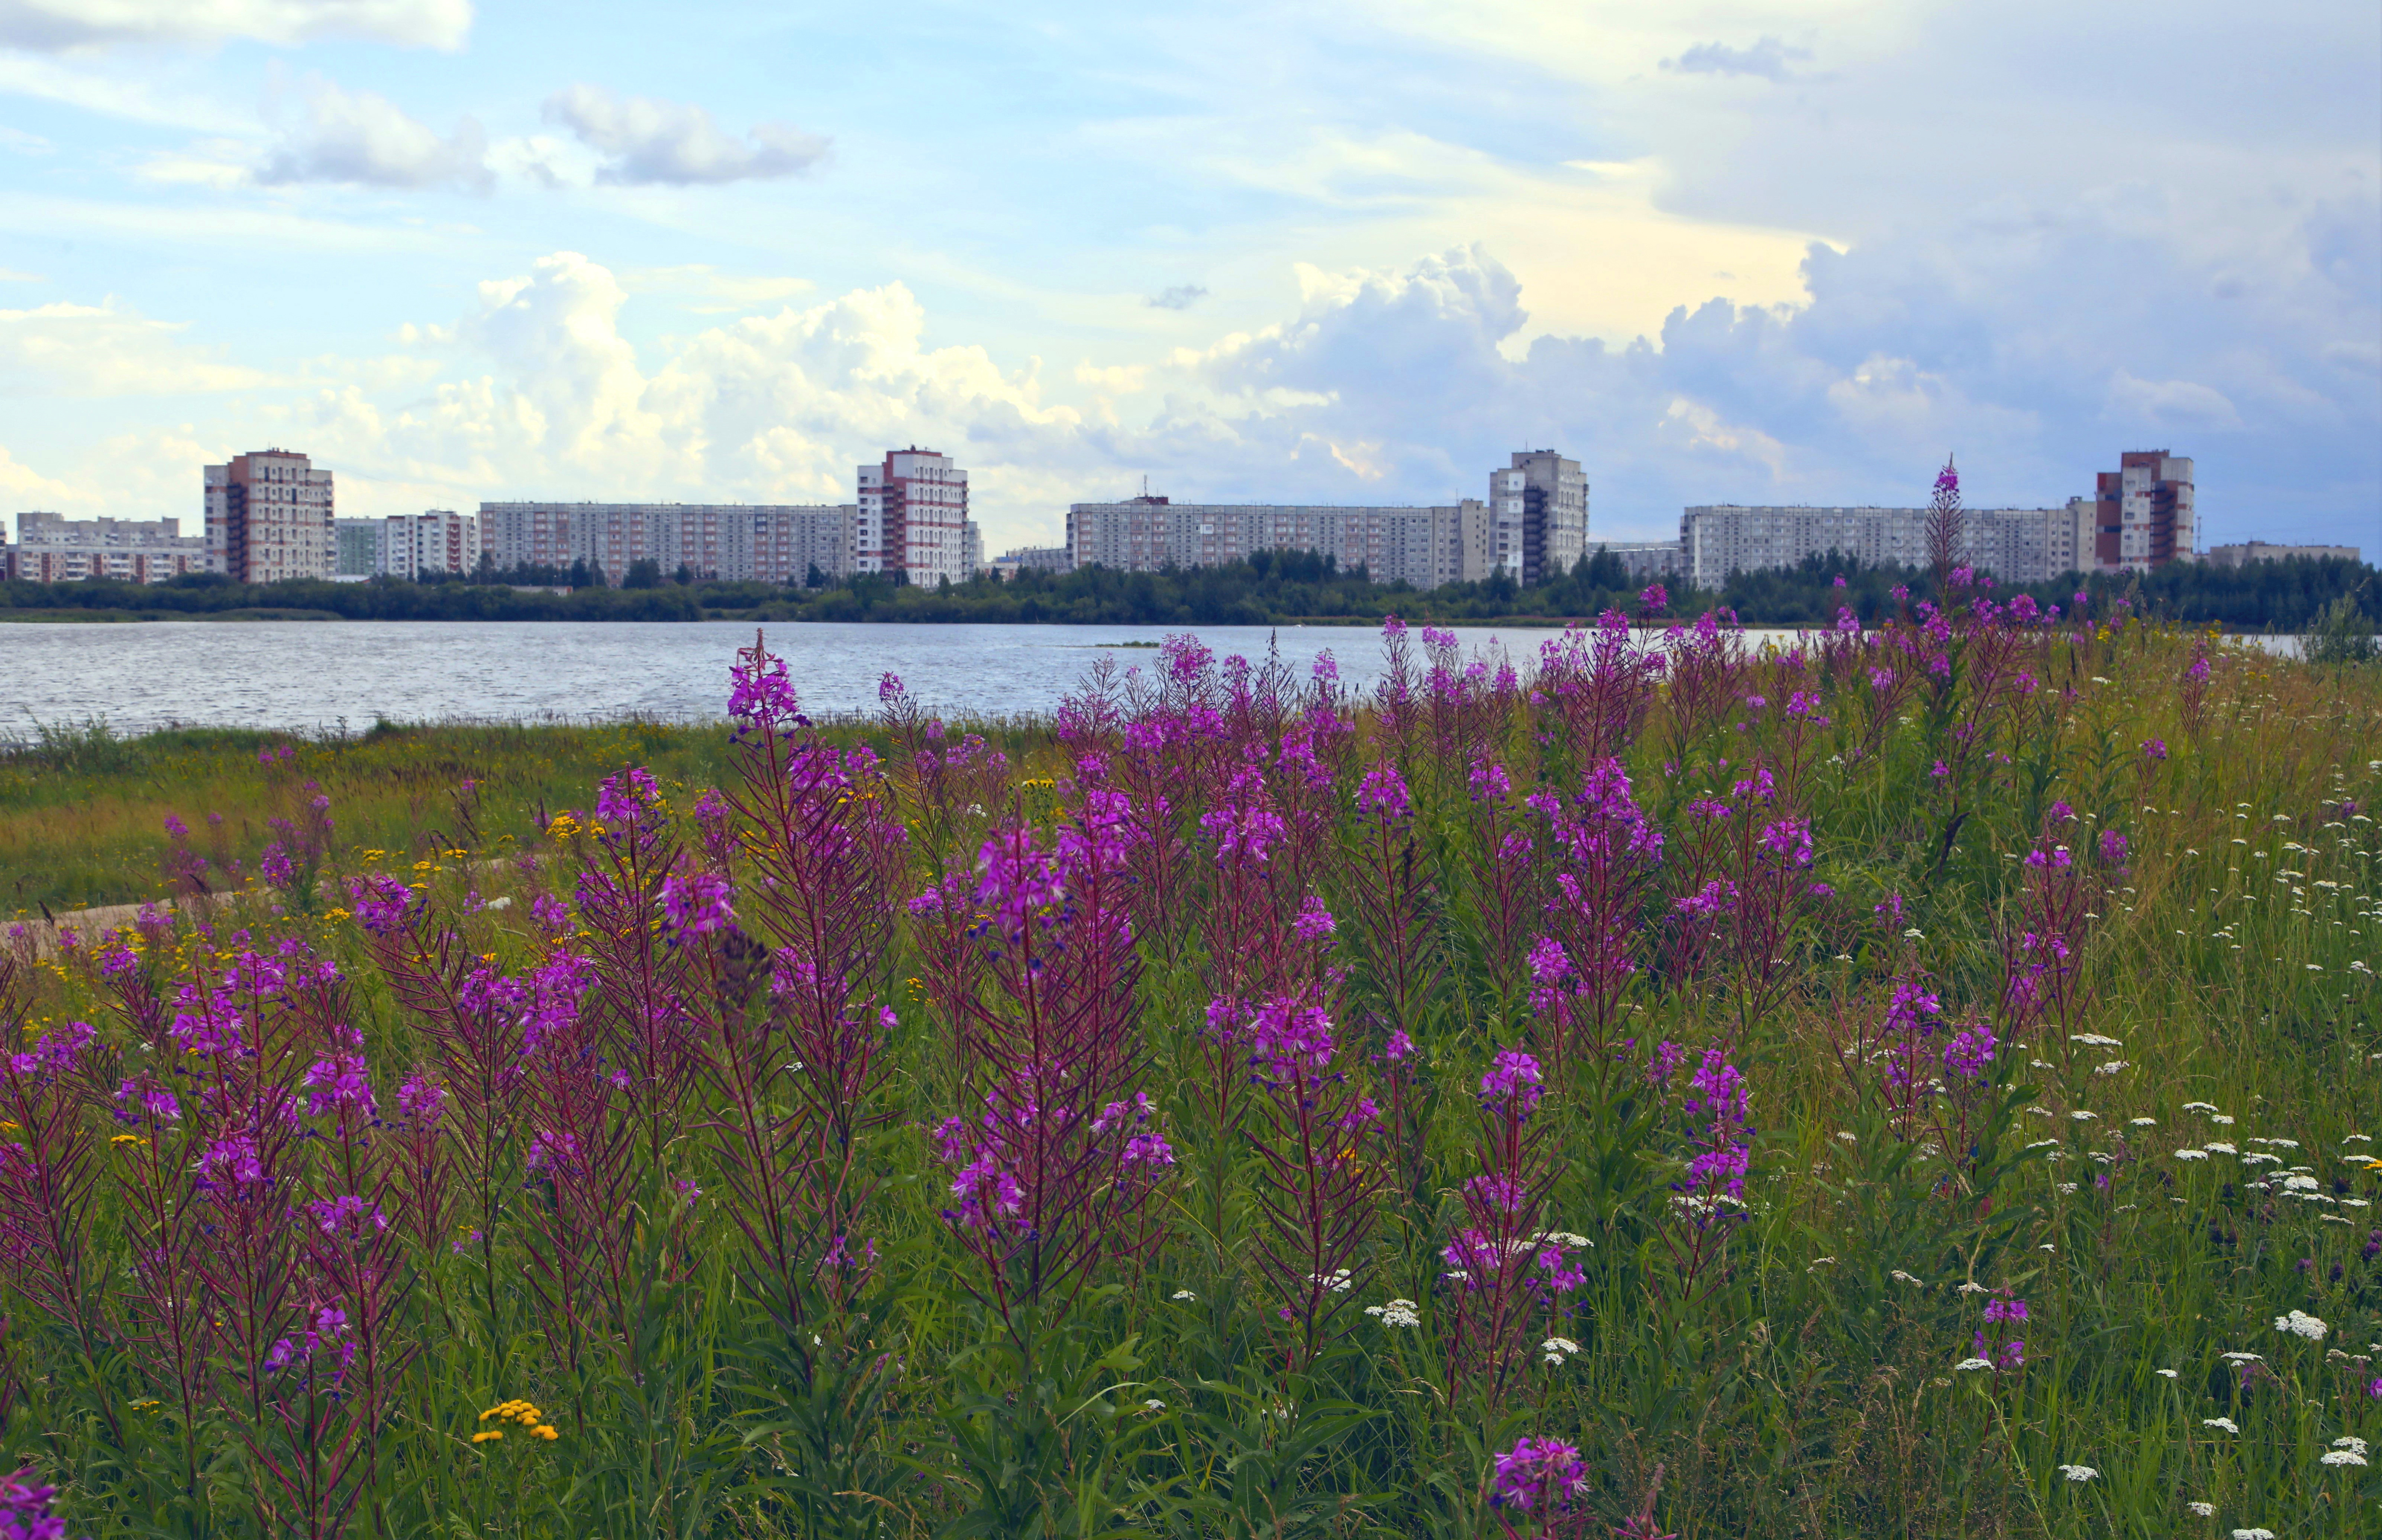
{"points": [[2019, 545], [424, 545], [269, 516], [51, 548], [2144, 512], [914, 517], [1539, 516], [1424, 547], [740, 541], [356, 547]]}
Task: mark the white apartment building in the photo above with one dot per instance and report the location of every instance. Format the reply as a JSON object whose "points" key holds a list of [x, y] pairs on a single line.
{"points": [[913, 519], [740, 541], [51, 548], [2017, 545], [1424, 547], [269, 516], [1645, 561], [417, 545]]}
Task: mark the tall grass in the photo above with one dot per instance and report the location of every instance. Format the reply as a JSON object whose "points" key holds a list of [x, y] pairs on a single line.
{"points": [[1680, 1103]]}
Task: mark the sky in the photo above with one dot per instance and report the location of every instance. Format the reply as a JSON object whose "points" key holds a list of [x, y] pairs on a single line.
{"points": [[1328, 251]]}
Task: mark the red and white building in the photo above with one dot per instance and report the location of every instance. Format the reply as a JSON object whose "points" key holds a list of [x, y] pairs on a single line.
{"points": [[269, 516], [913, 519], [51, 548], [413, 544]]}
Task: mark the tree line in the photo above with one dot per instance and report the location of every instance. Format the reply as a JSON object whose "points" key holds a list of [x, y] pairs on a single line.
{"points": [[1270, 588]]}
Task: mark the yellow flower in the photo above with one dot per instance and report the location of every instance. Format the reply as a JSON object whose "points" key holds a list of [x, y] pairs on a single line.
{"points": [[126, 1138], [545, 1431], [564, 826], [484, 1438]]}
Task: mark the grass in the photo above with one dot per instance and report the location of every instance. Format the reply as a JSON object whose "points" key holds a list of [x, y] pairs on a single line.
{"points": [[1796, 1377]]}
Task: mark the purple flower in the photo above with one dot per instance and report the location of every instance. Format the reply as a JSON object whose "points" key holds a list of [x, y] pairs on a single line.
{"points": [[1653, 599], [2154, 749], [1970, 1051], [987, 1194], [698, 903], [382, 903], [348, 1213], [277, 867], [1384, 795], [422, 1100], [2113, 848], [1537, 1473], [1290, 1034], [1314, 921], [336, 1084], [1017, 878], [1512, 1079], [762, 695], [1399, 1046]]}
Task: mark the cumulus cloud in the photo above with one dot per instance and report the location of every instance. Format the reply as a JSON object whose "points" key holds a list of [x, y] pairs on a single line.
{"points": [[1768, 58], [105, 349], [1179, 296], [364, 138], [60, 25], [647, 141]]}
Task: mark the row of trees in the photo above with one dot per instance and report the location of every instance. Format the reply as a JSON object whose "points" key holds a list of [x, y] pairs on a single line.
{"points": [[1272, 588]]}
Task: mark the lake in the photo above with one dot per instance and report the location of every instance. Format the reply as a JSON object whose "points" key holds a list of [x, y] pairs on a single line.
{"points": [[308, 677]]}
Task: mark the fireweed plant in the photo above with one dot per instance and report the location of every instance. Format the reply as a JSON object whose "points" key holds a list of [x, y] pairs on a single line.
{"points": [[1910, 1080]]}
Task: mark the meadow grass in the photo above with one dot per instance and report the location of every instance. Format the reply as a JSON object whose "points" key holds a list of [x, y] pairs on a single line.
{"points": [[2170, 1151]]}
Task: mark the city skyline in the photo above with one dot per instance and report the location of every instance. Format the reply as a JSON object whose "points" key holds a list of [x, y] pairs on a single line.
{"points": [[1739, 254]]}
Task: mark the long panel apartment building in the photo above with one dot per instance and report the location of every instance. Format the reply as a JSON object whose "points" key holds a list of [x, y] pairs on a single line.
{"points": [[51, 548], [739, 542], [1533, 526], [2019, 545], [1425, 546]]}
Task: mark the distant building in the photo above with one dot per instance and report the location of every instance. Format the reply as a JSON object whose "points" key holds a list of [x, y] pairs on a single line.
{"points": [[1424, 547], [2245, 551], [355, 547], [739, 542], [1539, 516], [2017, 545], [269, 516], [2143, 515], [1645, 561], [51, 548], [421, 544], [914, 517]]}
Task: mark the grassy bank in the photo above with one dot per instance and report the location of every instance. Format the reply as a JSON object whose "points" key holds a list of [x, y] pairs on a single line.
{"points": [[1922, 1086]]}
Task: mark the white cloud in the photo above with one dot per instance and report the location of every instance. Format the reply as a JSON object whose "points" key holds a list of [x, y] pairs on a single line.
{"points": [[104, 350], [648, 141], [59, 25], [1178, 297], [364, 138], [10, 275]]}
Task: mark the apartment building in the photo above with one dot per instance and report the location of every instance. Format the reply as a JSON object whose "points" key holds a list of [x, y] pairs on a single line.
{"points": [[51, 548], [1645, 561], [2144, 513], [1539, 509], [355, 547], [2019, 545], [914, 517], [1424, 547], [269, 516], [421, 544], [765, 543], [2243, 553]]}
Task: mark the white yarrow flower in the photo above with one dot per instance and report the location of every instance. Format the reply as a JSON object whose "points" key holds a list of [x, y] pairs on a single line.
{"points": [[2226, 1423], [2343, 1457], [2191, 1155], [1185, 1294], [2164, 1373], [2299, 1322], [1966, 1364], [2253, 1535], [2080, 1472], [2204, 1511], [2358, 1445]]}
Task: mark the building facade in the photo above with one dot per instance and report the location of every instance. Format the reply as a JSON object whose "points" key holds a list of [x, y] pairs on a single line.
{"points": [[2018, 546], [355, 547], [1424, 547], [51, 548], [269, 516], [1538, 506], [423, 544], [1646, 561], [2144, 513], [914, 517], [738, 542], [2243, 553]]}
